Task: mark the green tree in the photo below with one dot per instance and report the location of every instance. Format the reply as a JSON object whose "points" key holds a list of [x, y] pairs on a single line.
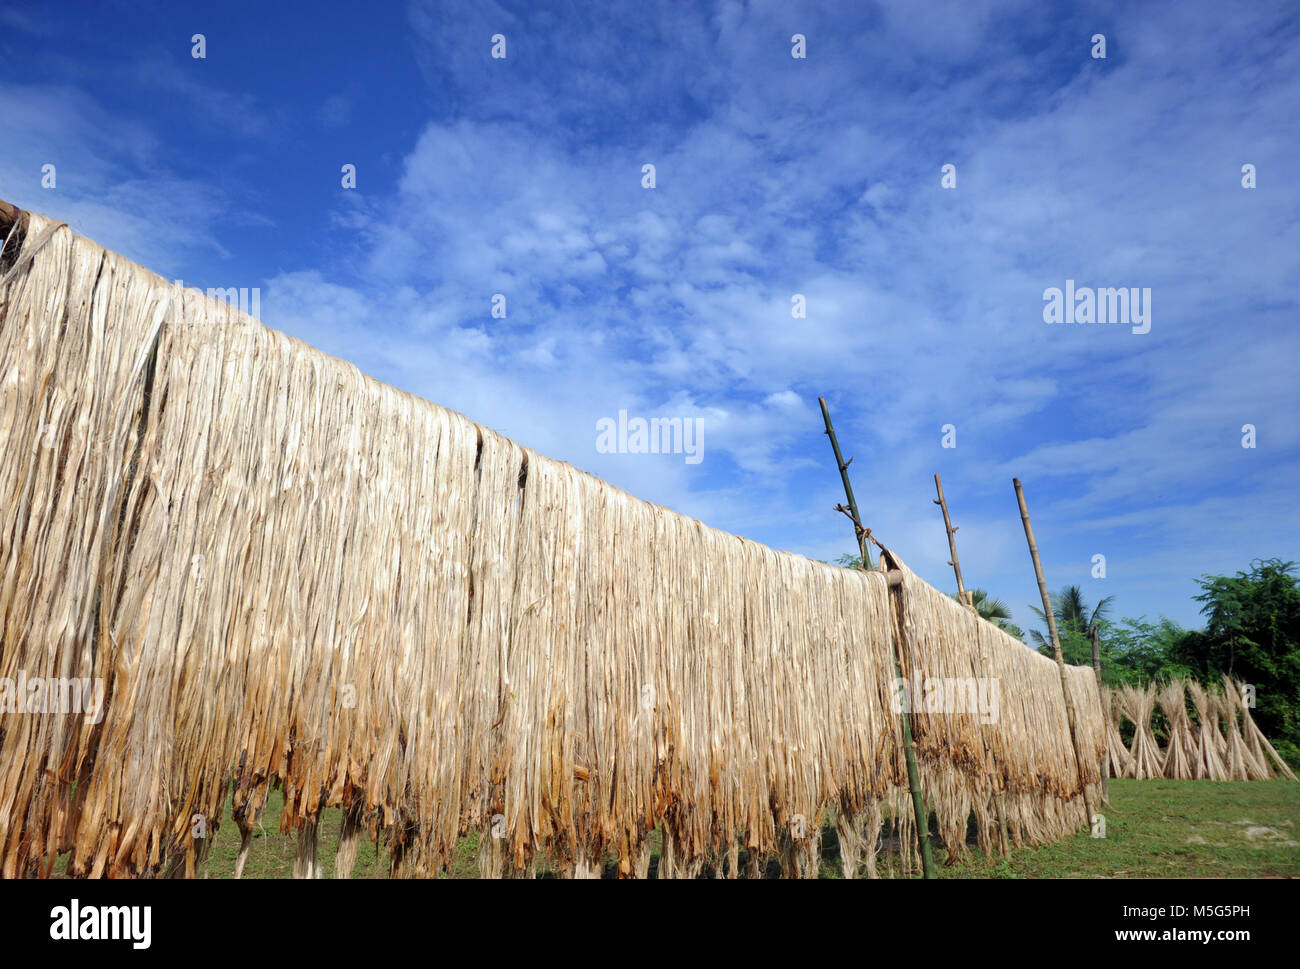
{"points": [[1137, 651], [995, 611], [1073, 620], [1252, 633]]}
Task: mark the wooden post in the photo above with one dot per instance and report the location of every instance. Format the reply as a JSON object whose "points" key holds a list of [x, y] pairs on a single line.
{"points": [[968, 599], [894, 584], [1105, 714], [1056, 644], [919, 811], [859, 533], [952, 544]]}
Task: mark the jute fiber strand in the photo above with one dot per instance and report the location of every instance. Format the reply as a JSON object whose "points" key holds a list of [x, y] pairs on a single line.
{"points": [[289, 575]]}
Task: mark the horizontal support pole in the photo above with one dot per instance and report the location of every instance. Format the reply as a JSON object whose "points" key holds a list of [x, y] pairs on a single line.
{"points": [[8, 216]]}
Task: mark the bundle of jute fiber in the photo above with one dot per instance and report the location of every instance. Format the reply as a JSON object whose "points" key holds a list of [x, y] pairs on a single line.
{"points": [[1138, 706], [1180, 746], [286, 574], [1120, 760], [1259, 751], [1210, 743], [1225, 744], [1241, 761]]}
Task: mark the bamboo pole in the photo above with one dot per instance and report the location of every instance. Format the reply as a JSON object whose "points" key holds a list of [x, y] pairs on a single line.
{"points": [[859, 532], [1056, 643], [894, 581], [952, 544], [1105, 714], [919, 811], [968, 599]]}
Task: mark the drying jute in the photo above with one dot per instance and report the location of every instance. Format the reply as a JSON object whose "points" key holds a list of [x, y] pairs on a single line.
{"points": [[1223, 744], [286, 574]]}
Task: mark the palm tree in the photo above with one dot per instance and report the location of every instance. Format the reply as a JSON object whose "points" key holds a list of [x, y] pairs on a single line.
{"points": [[1072, 624], [995, 611]]}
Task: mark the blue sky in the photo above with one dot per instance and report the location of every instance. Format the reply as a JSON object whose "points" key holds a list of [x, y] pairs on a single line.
{"points": [[774, 176]]}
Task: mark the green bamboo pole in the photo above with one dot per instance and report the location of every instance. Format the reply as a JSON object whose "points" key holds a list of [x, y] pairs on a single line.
{"points": [[922, 815]]}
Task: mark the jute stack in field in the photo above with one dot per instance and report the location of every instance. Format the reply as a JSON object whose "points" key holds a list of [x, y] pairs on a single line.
{"points": [[1138, 706], [1200, 751], [1180, 747], [1210, 744], [287, 573], [1256, 752], [1120, 760]]}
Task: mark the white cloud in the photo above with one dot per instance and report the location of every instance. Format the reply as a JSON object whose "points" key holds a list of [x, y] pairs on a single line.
{"points": [[820, 177]]}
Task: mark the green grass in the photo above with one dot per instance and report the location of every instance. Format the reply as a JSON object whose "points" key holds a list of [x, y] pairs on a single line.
{"points": [[271, 854], [1171, 829]]}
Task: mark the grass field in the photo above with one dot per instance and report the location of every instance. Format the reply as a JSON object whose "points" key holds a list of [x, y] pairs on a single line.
{"points": [[1178, 829], [1171, 829]]}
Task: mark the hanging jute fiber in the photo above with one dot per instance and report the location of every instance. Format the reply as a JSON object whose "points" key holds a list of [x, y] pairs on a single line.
{"points": [[286, 574]]}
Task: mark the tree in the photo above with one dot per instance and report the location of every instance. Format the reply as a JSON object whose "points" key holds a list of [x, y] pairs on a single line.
{"points": [[1072, 622], [1252, 633], [995, 611], [1137, 651]]}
